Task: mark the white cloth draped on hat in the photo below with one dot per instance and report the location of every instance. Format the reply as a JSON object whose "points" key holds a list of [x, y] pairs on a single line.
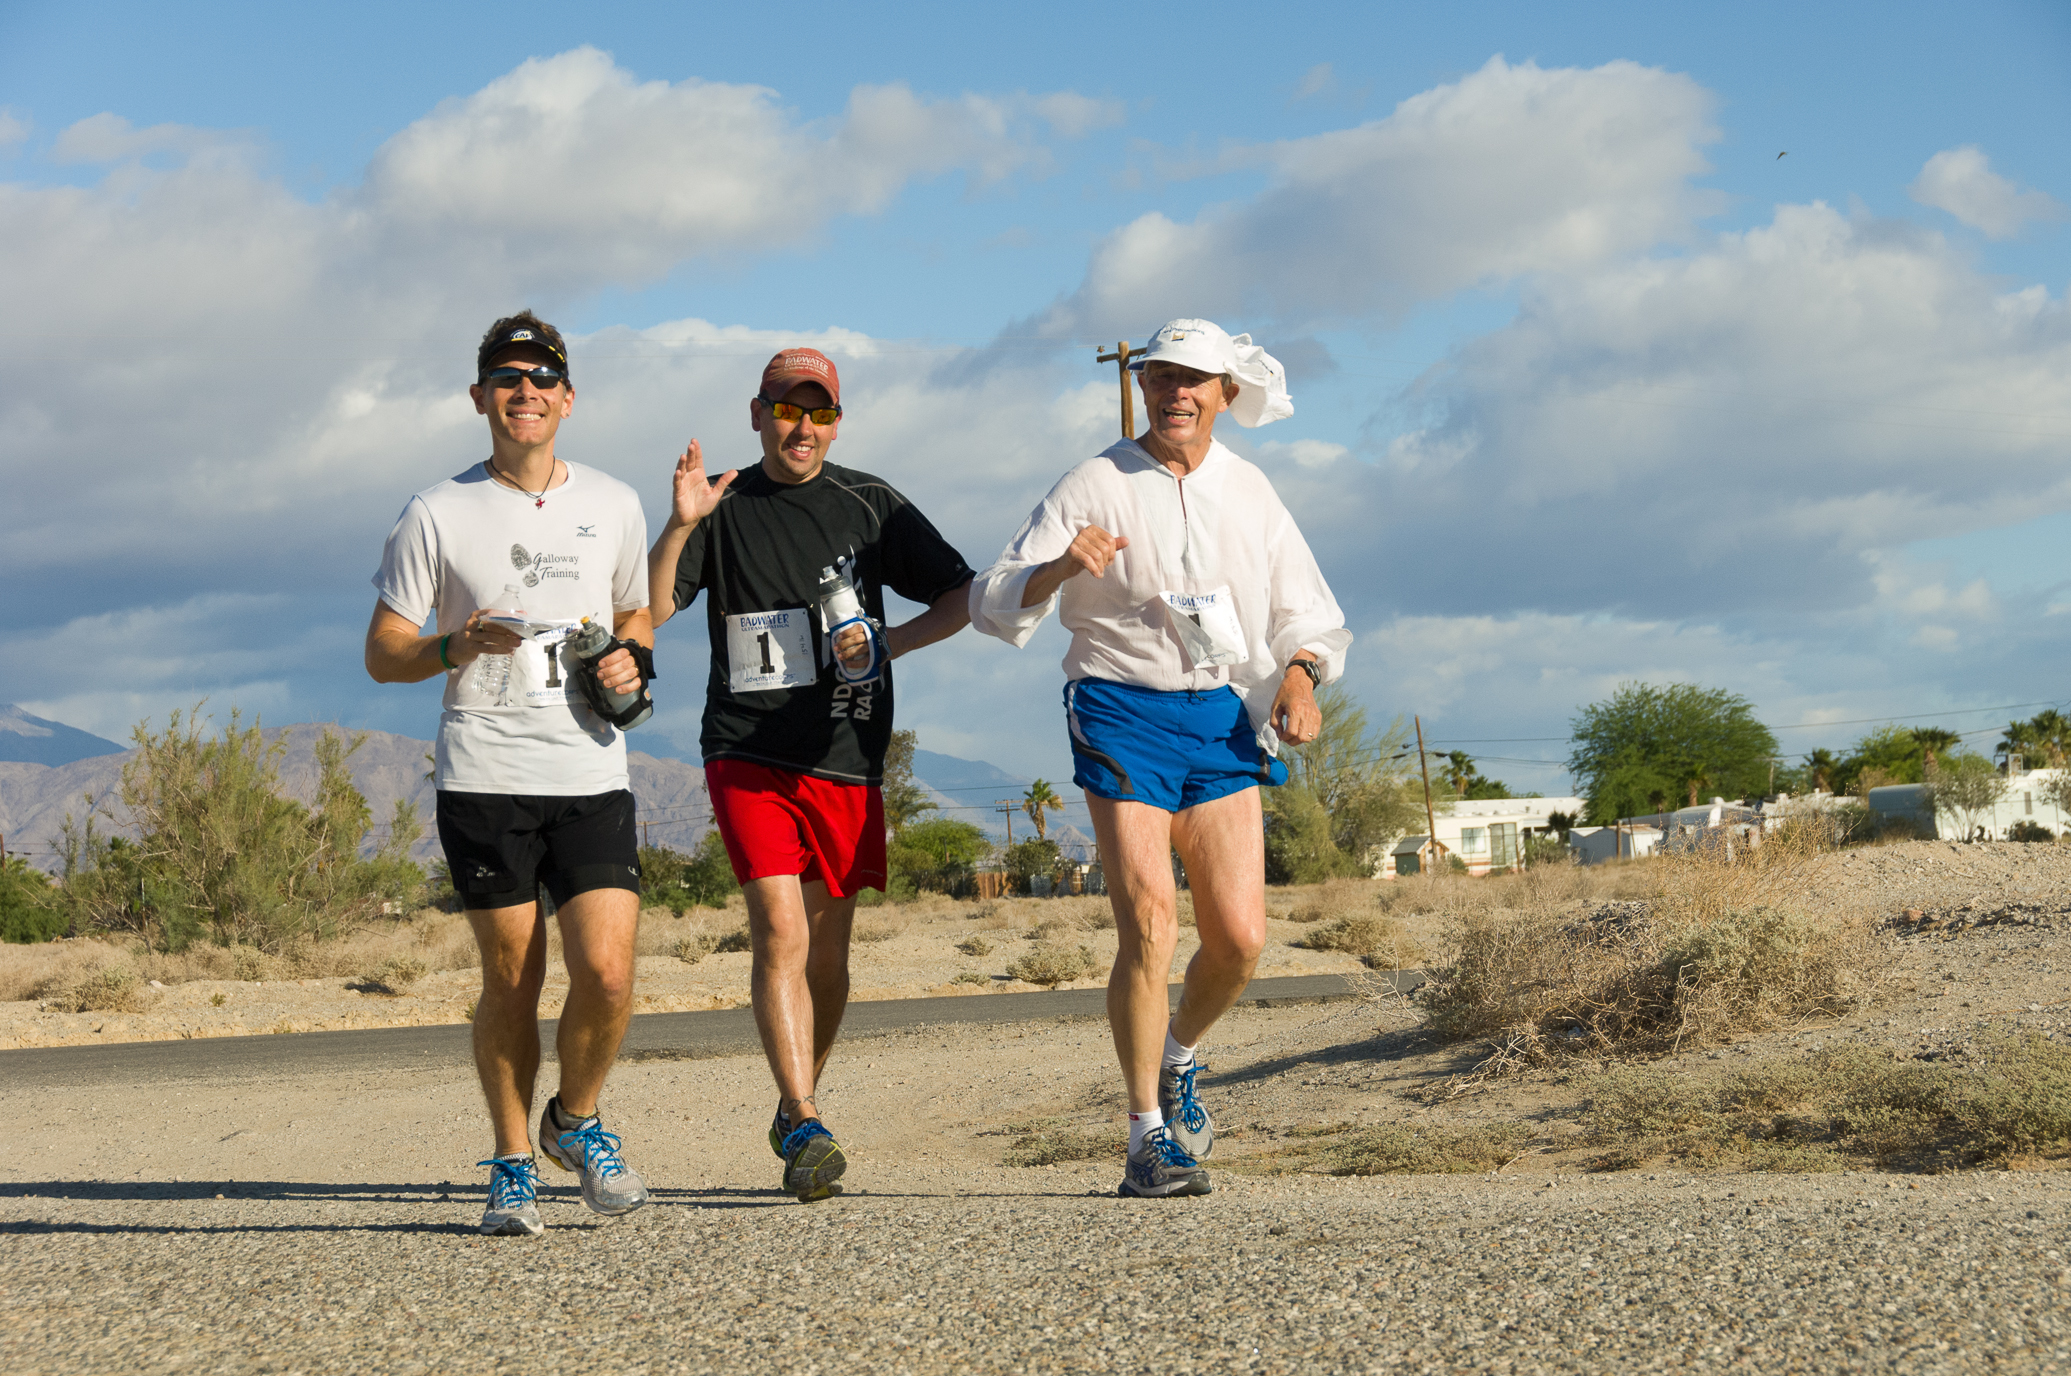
{"points": [[1202, 344]]}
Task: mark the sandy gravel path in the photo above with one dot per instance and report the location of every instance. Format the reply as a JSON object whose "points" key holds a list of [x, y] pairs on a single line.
{"points": [[343, 1238]]}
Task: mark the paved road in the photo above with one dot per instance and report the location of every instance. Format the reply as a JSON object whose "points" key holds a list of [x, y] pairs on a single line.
{"points": [[1751, 1274], [652, 1036]]}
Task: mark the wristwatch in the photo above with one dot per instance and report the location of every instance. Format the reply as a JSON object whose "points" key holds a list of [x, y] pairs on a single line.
{"points": [[1309, 667]]}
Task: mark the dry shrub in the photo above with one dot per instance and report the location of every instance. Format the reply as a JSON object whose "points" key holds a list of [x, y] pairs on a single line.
{"points": [[970, 977], [1720, 946], [27, 972], [993, 915], [1334, 899], [1047, 1143], [875, 928], [1844, 1106], [975, 946], [114, 987], [692, 949], [1391, 1149], [393, 976], [737, 940], [1052, 964], [1377, 939]]}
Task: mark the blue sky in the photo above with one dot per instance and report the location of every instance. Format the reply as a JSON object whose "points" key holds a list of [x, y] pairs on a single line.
{"points": [[1591, 386]]}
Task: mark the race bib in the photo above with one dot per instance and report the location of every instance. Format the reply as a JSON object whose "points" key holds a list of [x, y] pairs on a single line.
{"points": [[1207, 626], [766, 650], [543, 670]]}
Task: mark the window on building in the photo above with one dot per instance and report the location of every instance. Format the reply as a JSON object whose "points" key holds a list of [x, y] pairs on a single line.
{"points": [[1474, 841], [1503, 845]]}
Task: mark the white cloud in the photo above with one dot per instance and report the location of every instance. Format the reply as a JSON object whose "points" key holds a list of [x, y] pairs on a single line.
{"points": [[1512, 171], [1737, 428], [1962, 182], [573, 168], [1318, 80], [14, 131], [224, 382], [1305, 453]]}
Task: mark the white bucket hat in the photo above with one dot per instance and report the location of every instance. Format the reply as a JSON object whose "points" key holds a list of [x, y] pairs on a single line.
{"points": [[1204, 346]]}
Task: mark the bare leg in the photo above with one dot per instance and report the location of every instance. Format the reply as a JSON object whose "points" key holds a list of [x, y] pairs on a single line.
{"points": [[800, 984], [1222, 844], [597, 933], [1135, 855], [513, 942]]}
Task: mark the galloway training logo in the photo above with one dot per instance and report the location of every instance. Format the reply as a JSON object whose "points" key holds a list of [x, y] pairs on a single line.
{"points": [[538, 566]]}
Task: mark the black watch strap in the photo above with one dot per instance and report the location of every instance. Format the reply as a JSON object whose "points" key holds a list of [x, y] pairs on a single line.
{"points": [[1312, 669]]}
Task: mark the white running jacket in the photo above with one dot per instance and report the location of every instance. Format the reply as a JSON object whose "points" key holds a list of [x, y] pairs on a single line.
{"points": [[1222, 527]]}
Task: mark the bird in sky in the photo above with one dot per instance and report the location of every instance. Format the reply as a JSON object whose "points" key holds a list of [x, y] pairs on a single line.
{"points": [[1785, 153]]}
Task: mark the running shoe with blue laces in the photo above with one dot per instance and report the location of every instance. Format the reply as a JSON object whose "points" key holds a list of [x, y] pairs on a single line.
{"points": [[609, 1185], [813, 1161], [513, 1198], [1161, 1169], [1185, 1116]]}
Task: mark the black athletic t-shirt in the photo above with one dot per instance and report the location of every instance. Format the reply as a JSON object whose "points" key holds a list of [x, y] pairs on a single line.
{"points": [[761, 551]]}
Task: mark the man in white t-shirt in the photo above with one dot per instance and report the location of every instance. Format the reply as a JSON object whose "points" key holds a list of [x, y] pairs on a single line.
{"points": [[512, 556], [1197, 644]]}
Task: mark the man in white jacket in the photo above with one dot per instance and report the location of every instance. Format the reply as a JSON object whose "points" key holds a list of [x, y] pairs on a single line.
{"points": [[1197, 645]]}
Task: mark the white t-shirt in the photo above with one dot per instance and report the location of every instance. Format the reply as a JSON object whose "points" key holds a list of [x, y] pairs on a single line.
{"points": [[1216, 586], [519, 723]]}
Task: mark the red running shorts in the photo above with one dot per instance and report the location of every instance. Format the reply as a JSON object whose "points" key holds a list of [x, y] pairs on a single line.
{"points": [[776, 822]]}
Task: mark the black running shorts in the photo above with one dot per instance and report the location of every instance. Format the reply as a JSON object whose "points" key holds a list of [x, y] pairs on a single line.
{"points": [[502, 846]]}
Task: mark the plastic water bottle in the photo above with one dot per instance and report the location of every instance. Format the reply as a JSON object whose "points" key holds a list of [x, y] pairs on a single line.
{"points": [[840, 608], [493, 672], [591, 642]]}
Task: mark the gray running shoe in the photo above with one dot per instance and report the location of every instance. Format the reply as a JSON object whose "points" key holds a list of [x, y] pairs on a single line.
{"points": [[1161, 1169], [813, 1161], [609, 1185], [513, 1198], [1185, 1117]]}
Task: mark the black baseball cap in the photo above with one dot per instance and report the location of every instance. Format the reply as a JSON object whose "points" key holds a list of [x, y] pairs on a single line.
{"points": [[518, 334]]}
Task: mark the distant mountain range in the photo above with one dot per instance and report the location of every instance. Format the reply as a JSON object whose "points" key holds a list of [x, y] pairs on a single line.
{"points": [[32, 740], [37, 792], [35, 797], [971, 791]]}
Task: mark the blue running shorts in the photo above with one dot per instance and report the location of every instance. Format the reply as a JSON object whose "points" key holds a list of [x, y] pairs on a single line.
{"points": [[1170, 750]]}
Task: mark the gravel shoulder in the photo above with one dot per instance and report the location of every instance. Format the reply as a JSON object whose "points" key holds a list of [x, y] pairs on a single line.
{"points": [[325, 1221]]}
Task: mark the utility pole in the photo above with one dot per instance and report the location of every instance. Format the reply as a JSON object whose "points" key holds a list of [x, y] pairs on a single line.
{"points": [[1005, 807], [647, 835], [1120, 358], [1430, 817]]}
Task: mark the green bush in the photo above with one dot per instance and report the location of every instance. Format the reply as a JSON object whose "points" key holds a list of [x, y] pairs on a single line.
{"points": [[702, 879], [28, 905], [221, 854], [935, 856], [1027, 859]]}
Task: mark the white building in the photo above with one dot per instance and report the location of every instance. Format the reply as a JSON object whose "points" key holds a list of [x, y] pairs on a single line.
{"points": [[1624, 841], [2022, 802], [1485, 833]]}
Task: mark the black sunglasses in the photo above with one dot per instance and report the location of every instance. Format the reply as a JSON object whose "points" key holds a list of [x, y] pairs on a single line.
{"points": [[784, 410], [545, 379]]}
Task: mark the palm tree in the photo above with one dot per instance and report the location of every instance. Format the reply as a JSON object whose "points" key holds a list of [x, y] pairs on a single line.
{"points": [[1039, 799], [1459, 770], [1934, 740], [1822, 766], [2052, 734]]}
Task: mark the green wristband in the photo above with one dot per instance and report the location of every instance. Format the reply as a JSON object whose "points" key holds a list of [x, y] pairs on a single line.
{"points": [[442, 651]]}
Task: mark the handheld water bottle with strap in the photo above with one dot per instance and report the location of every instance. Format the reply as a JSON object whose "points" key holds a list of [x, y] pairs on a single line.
{"points": [[840, 609]]}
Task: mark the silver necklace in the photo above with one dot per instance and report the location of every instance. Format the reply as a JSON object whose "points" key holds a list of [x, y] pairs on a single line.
{"points": [[539, 498]]}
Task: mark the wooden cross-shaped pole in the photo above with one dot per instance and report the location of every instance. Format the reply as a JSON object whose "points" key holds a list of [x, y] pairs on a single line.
{"points": [[1120, 358]]}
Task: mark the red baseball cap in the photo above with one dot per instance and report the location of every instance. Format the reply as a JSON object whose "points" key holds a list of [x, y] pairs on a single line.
{"points": [[794, 366]]}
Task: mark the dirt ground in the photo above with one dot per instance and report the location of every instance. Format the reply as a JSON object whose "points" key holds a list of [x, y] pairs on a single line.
{"points": [[901, 951], [1970, 936]]}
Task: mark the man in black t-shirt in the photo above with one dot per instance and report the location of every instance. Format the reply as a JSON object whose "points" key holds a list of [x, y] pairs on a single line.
{"points": [[797, 722]]}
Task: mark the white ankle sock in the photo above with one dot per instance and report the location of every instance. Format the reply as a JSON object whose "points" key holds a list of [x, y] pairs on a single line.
{"points": [[1176, 1055], [1141, 1125]]}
